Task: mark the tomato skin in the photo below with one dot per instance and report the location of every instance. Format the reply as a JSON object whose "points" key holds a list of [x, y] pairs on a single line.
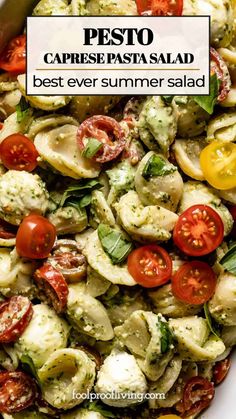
{"points": [[35, 237], [220, 370], [104, 129], [17, 391], [15, 315], [198, 231], [53, 285], [218, 162], [150, 266], [13, 57], [194, 282], [160, 7], [217, 66], [18, 153], [7, 230], [197, 396]]}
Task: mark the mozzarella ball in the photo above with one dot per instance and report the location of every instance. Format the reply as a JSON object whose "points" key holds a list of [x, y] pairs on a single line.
{"points": [[164, 189], [20, 194], [121, 374], [222, 306], [45, 334]]}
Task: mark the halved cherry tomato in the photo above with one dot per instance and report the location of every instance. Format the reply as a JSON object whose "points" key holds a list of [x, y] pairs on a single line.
{"points": [[7, 230], [105, 130], [198, 231], [160, 7], [35, 237], [67, 258], [194, 282], [18, 153], [218, 163], [150, 265], [198, 394], [218, 67], [220, 370], [13, 57], [15, 315], [17, 391], [233, 213], [53, 285]]}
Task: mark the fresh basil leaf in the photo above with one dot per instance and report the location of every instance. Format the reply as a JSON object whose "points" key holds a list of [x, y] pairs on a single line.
{"points": [[208, 102], [157, 166], [22, 109], [91, 148], [166, 337], [99, 408], [167, 99], [80, 190], [228, 261], [116, 246], [28, 366], [211, 324]]}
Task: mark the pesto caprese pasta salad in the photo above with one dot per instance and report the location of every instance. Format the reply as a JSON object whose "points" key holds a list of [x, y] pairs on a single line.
{"points": [[117, 238]]}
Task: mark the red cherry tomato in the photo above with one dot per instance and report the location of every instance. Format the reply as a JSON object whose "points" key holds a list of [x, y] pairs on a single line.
{"points": [[198, 394], [52, 284], [233, 213], [220, 370], [160, 7], [17, 391], [194, 282], [18, 153], [150, 265], [7, 231], [15, 315], [107, 131], [35, 237], [218, 67], [13, 57], [198, 231]]}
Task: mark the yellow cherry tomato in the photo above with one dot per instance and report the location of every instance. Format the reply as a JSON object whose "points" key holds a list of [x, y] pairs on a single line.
{"points": [[218, 163], [169, 417]]}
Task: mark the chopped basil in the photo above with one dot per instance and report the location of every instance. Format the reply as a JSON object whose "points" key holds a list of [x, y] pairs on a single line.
{"points": [[28, 366], [99, 408], [91, 148], [79, 195], [157, 166], [167, 99], [211, 324], [116, 246], [208, 102], [166, 337], [22, 109], [228, 261]]}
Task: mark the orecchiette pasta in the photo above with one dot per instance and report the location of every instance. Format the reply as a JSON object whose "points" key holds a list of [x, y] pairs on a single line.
{"points": [[144, 223], [46, 103], [187, 153], [69, 220], [192, 119], [82, 414], [142, 334], [165, 303], [101, 263], [222, 127], [45, 334], [222, 306], [49, 121], [100, 212], [8, 102], [66, 376], [157, 124], [58, 147], [88, 314], [195, 342]]}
